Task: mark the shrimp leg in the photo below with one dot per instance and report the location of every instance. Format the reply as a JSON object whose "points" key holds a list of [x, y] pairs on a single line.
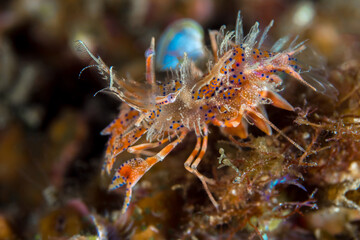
{"points": [[132, 170], [144, 146], [119, 143], [191, 165]]}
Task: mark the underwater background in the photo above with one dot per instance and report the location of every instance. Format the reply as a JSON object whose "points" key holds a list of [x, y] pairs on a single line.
{"points": [[51, 150]]}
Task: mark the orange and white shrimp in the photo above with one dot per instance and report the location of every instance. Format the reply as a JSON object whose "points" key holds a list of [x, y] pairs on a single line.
{"points": [[229, 94]]}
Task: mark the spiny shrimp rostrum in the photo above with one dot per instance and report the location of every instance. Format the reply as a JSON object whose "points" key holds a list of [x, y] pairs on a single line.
{"points": [[230, 94]]}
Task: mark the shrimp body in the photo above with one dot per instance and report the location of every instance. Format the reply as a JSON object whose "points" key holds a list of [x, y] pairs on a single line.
{"points": [[230, 94]]}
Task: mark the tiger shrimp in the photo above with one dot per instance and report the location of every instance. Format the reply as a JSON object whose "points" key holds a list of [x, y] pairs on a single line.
{"points": [[230, 94]]}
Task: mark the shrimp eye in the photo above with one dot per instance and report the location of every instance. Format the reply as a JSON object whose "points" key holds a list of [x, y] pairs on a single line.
{"points": [[149, 52], [171, 98]]}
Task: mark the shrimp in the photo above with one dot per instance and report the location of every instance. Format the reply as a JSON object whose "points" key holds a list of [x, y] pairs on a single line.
{"points": [[230, 94]]}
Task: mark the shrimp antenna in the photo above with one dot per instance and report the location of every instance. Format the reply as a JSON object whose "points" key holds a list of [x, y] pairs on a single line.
{"points": [[87, 67], [88, 51], [277, 129]]}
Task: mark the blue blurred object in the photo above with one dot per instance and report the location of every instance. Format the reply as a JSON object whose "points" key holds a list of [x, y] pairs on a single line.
{"points": [[182, 36], [286, 180]]}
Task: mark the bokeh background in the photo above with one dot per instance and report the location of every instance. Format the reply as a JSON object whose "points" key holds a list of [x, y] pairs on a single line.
{"points": [[51, 149]]}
